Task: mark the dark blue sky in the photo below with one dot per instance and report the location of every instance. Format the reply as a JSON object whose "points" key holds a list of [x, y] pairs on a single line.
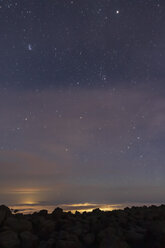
{"points": [[54, 43], [82, 101]]}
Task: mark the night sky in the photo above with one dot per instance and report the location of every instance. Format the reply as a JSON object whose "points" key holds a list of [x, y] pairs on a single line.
{"points": [[82, 102]]}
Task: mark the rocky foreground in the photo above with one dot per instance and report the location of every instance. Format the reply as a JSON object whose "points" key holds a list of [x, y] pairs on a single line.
{"points": [[135, 227]]}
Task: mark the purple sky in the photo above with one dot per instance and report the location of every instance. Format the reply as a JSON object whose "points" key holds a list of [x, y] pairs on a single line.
{"points": [[82, 101], [84, 145]]}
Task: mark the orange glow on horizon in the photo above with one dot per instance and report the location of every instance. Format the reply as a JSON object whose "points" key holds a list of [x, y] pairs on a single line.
{"points": [[30, 206]]}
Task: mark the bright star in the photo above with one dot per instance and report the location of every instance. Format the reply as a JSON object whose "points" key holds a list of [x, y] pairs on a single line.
{"points": [[29, 47]]}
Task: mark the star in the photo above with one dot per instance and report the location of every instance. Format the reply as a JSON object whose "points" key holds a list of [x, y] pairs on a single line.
{"points": [[30, 47]]}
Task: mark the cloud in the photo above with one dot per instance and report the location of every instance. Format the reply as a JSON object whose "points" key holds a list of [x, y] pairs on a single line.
{"points": [[62, 139]]}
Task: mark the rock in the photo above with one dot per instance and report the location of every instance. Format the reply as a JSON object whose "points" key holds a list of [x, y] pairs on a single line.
{"points": [[57, 213], [135, 238], [77, 228], [47, 228], [15, 211], [68, 244], [37, 221], [43, 212], [110, 237], [106, 233], [77, 213], [4, 213], [28, 240], [155, 235], [96, 211], [74, 238], [9, 239], [63, 235], [18, 225], [134, 227], [114, 244], [47, 244], [89, 239]]}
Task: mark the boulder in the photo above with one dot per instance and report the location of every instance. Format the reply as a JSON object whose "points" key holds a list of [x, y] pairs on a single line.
{"points": [[96, 211], [155, 235], [9, 239], [88, 239], [28, 240], [77, 230], [47, 228], [4, 213], [63, 235], [18, 225], [68, 244], [47, 244], [43, 212], [57, 213], [115, 244], [134, 238]]}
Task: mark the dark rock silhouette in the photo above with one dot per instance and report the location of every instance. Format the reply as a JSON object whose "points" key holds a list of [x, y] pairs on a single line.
{"points": [[4, 213], [136, 227]]}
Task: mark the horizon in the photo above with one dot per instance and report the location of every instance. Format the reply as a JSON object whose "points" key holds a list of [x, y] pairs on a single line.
{"points": [[73, 208]]}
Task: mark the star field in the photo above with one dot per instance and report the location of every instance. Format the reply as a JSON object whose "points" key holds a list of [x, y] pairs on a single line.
{"points": [[82, 100]]}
